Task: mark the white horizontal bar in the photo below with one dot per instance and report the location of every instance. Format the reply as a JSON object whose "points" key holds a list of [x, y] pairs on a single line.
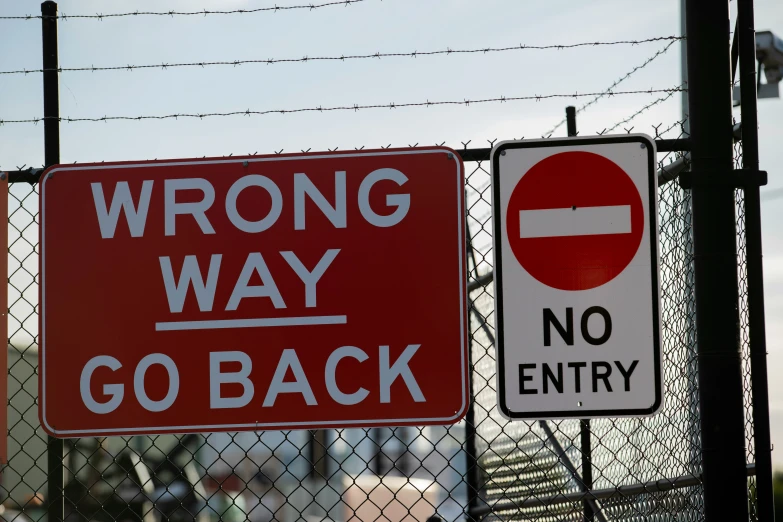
{"points": [[575, 221], [251, 323]]}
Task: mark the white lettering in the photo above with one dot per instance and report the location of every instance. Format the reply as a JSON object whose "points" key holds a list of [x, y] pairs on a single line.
{"points": [[336, 214], [255, 263], [388, 374], [190, 274], [217, 378], [197, 209], [347, 399], [115, 391], [138, 382], [310, 279], [241, 184], [300, 385], [402, 202], [122, 200]]}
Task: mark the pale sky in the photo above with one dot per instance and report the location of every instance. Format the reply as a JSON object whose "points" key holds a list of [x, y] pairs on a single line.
{"points": [[363, 28]]}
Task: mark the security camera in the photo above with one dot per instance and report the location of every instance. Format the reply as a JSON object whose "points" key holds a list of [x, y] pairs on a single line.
{"points": [[769, 51]]}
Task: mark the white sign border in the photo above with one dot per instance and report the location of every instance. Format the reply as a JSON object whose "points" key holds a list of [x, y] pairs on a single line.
{"points": [[497, 279], [259, 426]]}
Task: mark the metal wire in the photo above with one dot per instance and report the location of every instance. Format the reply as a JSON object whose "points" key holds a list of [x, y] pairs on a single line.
{"points": [[742, 273], [523, 477], [644, 469], [377, 55], [484, 468], [203, 12], [617, 82], [356, 107], [647, 107]]}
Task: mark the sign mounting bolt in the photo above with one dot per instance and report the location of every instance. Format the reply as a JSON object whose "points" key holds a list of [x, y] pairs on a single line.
{"points": [[502, 152], [244, 163]]}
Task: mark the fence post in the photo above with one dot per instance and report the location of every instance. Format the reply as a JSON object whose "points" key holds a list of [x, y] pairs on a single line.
{"points": [[585, 440], [472, 471], [51, 101], [571, 120], [715, 262], [757, 334], [318, 454]]}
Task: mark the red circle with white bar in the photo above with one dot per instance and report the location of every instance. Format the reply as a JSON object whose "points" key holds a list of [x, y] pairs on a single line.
{"points": [[575, 220]]}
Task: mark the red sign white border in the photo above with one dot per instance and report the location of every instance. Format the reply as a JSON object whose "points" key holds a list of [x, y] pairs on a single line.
{"points": [[259, 426]]}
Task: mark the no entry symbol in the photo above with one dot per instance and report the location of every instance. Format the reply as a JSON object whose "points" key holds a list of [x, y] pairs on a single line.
{"points": [[575, 221]]}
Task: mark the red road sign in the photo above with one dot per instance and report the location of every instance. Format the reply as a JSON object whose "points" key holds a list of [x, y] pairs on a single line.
{"points": [[276, 292], [575, 220], [575, 238]]}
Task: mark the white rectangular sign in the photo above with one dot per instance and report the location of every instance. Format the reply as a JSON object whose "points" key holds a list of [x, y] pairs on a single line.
{"points": [[576, 277]]}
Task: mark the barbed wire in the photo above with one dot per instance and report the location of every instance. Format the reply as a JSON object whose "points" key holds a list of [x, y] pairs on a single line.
{"points": [[355, 107], [204, 12], [617, 82], [377, 55], [659, 134], [653, 103]]}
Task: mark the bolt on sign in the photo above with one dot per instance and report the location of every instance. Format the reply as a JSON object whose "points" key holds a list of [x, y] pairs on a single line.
{"points": [[264, 292], [576, 277]]}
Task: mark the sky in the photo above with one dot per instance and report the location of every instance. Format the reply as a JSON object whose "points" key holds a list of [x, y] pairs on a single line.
{"points": [[385, 26]]}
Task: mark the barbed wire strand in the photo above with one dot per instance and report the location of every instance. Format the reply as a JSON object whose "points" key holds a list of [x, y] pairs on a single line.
{"points": [[356, 107], [204, 12], [653, 103], [377, 55], [617, 82]]}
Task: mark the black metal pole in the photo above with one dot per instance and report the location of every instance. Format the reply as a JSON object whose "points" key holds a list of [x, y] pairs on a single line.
{"points": [[757, 334], [472, 470], [318, 454], [51, 83], [585, 440], [377, 463], [715, 262], [51, 101], [587, 465], [571, 120]]}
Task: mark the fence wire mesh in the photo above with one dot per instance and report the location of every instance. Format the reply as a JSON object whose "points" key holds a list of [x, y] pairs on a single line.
{"points": [[742, 276], [534, 470], [483, 468]]}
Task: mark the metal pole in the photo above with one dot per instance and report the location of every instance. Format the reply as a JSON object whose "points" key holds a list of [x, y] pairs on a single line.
{"points": [[472, 470], [584, 424], [686, 202], [318, 454], [686, 127], [562, 456], [587, 465], [715, 262], [757, 334], [571, 120], [377, 463], [51, 101], [51, 85]]}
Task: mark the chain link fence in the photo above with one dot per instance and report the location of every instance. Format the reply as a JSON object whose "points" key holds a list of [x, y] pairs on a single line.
{"points": [[483, 468], [747, 386]]}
